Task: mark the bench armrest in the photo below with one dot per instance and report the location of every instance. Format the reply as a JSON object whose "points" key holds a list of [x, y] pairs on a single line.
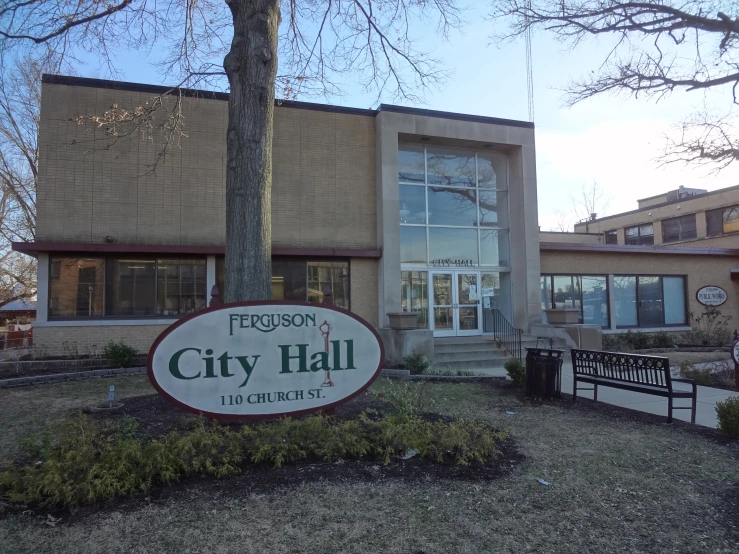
{"points": [[683, 380]]}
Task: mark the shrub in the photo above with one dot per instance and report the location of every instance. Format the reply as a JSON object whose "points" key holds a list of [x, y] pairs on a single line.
{"points": [[638, 340], [416, 363], [710, 328], [662, 340], [406, 398], [119, 354], [516, 371], [90, 462], [700, 376], [728, 416], [448, 372]]}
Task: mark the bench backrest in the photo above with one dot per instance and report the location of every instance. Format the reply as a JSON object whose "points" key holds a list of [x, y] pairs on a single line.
{"points": [[630, 368]]}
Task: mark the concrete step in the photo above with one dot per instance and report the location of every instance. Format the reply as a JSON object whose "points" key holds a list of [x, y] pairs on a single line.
{"points": [[469, 340], [443, 357], [464, 364], [466, 347]]}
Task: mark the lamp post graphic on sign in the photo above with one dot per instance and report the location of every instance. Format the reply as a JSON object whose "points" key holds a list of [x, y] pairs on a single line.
{"points": [[325, 329]]}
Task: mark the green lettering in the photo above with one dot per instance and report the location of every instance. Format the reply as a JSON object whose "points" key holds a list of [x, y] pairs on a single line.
{"points": [[302, 358], [320, 364], [336, 346], [350, 354], [247, 367], [224, 358], [174, 364]]}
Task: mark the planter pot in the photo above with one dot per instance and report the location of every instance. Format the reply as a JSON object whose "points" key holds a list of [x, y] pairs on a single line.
{"points": [[562, 315], [403, 320]]}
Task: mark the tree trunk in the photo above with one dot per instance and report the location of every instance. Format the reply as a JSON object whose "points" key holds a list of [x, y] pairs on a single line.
{"points": [[251, 66]]}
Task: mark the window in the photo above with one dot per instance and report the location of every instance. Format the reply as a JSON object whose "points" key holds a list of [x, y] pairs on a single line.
{"points": [[586, 293], [180, 286], [678, 228], [125, 287], [414, 296], [611, 237], [76, 287], [724, 220], [448, 199], [640, 234], [301, 280], [650, 301]]}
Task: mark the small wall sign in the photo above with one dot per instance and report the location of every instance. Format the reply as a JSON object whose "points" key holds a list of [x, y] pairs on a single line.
{"points": [[711, 296], [255, 360]]}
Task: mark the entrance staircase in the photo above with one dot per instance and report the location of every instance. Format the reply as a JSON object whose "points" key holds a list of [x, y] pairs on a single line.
{"points": [[481, 354]]}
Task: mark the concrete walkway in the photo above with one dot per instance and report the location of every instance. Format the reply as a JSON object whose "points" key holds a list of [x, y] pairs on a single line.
{"points": [[705, 413]]}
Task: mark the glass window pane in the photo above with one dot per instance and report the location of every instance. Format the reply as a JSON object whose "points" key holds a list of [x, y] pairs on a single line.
{"points": [[650, 302], [731, 220], [456, 246], [289, 280], [611, 237], [453, 168], [411, 168], [452, 207], [625, 299], [493, 209], [129, 287], [595, 300], [566, 293], [180, 286], [221, 278], [412, 204], [492, 170], [334, 275], [546, 294], [494, 248], [414, 295], [412, 245], [76, 287], [646, 230], [714, 222], [674, 295]]}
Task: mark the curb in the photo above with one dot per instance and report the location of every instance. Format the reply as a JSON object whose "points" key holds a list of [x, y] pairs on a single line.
{"points": [[60, 377]]}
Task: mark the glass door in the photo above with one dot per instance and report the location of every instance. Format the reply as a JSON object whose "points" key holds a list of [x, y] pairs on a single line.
{"points": [[467, 303], [650, 302], [442, 304]]}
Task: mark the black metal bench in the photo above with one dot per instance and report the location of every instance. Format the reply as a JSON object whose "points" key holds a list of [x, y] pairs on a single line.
{"points": [[646, 374]]}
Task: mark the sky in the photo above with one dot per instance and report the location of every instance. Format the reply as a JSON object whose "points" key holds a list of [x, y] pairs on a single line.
{"points": [[611, 140]]}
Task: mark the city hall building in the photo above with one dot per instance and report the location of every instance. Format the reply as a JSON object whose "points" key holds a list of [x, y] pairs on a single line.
{"points": [[395, 209]]}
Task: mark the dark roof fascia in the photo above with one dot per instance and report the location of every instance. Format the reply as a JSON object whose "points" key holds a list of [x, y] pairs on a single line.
{"points": [[628, 249], [662, 205], [33, 248], [209, 94], [571, 233]]}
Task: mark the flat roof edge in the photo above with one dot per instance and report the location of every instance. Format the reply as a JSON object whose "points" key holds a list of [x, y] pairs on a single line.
{"points": [[627, 249]]}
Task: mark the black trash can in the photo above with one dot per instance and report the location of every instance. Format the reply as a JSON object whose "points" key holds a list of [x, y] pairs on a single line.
{"points": [[543, 373]]}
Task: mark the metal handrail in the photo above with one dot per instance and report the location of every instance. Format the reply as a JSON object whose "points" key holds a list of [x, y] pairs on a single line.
{"points": [[508, 335]]}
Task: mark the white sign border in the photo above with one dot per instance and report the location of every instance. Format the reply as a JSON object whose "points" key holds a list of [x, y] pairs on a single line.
{"points": [[726, 295], [253, 417]]}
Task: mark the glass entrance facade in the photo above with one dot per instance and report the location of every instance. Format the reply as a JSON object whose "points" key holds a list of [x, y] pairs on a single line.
{"points": [[454, 243]]}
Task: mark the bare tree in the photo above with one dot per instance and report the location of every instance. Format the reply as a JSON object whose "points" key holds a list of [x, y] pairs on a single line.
{"points": [[590, 200], [318, 43], [661, 46], [20, 98]]}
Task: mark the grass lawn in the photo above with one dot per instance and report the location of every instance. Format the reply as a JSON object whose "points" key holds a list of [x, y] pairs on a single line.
{"points": [[618, 484], [695, 357]]}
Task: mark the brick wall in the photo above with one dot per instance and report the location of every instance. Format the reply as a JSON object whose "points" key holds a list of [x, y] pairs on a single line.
{"points": [[364, 289], [93, 185], [91, 339]]}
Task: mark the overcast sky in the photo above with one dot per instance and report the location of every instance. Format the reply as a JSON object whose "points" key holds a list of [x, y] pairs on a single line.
{"points": [[611, 140]]}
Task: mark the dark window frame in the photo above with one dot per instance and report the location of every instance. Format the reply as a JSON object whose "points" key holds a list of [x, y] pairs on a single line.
{"points": [[222, 260], [105, 258], [611, 234], [640, 238], [662, 292], [681, 234], [551, 276]]}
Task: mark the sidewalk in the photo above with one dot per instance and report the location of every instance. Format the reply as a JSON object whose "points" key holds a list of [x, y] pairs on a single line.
{"points": [[705, 413]]}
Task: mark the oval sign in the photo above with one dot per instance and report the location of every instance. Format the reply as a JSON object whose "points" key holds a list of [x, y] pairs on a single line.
{"points": [[255, 360], [711, 296]]}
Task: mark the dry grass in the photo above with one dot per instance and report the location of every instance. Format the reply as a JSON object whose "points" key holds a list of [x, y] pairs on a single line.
{"points": [[695, 357], [617, 486]]}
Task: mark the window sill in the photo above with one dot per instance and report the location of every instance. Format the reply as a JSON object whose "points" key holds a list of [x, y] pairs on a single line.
{"points": [[104, 322], [680, 328]]}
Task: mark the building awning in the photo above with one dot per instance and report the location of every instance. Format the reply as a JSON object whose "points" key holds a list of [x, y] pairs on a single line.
{"points": [[33, 248]]}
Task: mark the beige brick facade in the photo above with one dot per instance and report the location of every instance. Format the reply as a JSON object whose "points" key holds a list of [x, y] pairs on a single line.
{"points": [[363, 289], [92, 186], [90, 339]]}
